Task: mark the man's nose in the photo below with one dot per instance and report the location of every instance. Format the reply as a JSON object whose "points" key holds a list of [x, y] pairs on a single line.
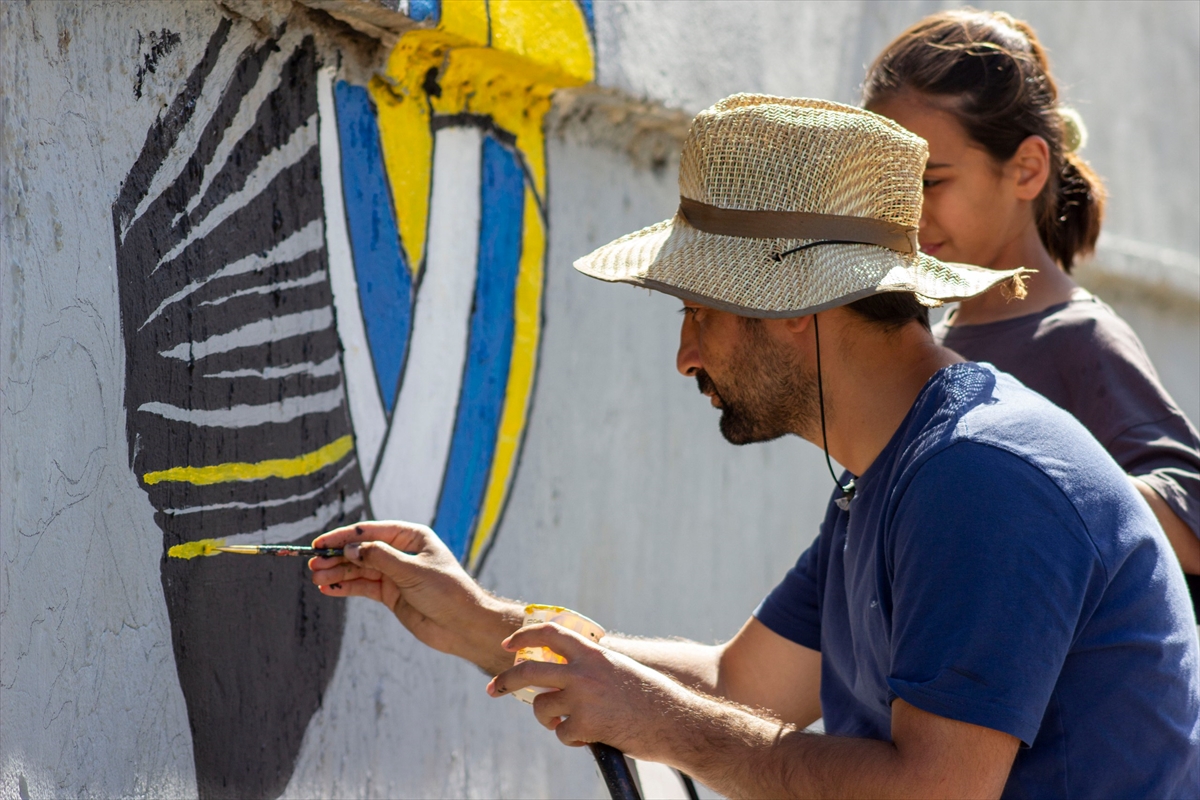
{"points": [[687, 360]]}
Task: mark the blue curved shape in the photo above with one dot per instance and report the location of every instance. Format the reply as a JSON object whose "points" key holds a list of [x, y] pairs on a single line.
{"points": [[489, 348], [421, 10], [384, 280]]}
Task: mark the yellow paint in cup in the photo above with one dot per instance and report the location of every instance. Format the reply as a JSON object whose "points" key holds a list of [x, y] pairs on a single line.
{"points": [[565, 617]]}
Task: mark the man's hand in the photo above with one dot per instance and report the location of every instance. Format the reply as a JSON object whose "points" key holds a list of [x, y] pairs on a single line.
{"points": [[602, 695], [408, 569]]}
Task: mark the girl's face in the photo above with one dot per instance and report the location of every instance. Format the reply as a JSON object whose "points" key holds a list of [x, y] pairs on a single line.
{"points": [[976, 209]]}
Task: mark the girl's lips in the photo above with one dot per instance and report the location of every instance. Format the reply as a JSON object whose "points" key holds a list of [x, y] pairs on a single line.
{"points": [[931, 249]]}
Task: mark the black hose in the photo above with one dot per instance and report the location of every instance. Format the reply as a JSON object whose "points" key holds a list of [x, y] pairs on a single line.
{"points": [[618, 777]]}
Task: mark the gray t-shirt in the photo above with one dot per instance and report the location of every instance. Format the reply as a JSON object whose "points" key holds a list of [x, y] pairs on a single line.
{"points": [[1087, 360]]}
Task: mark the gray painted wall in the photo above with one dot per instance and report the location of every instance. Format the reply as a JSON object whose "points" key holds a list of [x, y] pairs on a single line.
{"points": [[627, 505]]}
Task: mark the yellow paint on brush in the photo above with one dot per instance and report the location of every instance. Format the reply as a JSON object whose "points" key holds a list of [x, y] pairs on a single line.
{"points": [[271, 468], [203, 547], [526, 334]]}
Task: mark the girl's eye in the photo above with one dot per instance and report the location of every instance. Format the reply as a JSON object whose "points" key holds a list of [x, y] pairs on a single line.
{"points": [[929, 183]]}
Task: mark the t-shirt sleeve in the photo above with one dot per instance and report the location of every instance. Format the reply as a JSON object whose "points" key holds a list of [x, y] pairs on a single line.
{"points": [[793, 608], [1166, 456], [992, 571], [1115, 392]]}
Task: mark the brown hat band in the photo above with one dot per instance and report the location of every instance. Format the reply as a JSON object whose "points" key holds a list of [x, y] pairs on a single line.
{"points": [[797, 225]]}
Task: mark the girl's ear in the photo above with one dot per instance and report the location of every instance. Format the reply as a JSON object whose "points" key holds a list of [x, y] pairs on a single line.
{"points": [[1030, 166]]}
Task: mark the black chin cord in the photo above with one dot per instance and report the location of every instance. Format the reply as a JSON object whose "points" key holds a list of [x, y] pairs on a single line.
{"points": [[842, 502]]}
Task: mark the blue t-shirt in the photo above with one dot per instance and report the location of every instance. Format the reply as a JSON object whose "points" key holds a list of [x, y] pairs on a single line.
{"points": [[996, 567]]}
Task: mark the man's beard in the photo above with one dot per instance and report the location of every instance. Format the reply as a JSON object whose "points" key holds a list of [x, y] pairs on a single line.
{"points": [[765, 394]]}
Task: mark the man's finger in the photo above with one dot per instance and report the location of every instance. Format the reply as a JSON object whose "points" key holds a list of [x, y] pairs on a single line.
{"points": [[529, 673], [568, 644], [339, 573], [400, 535], [400, 567], [372, 590], [551, 707], [568, 733]]}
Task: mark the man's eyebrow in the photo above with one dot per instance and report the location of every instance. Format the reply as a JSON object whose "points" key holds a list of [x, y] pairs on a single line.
{"points": [[936, 165]]}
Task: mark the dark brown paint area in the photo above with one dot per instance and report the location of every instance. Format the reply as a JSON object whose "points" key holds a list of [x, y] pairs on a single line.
{"points": [[255, 646], [215, 374]]}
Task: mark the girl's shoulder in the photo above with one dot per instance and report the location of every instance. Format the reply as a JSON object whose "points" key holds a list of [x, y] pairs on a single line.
{"points": [[1086, 325]]}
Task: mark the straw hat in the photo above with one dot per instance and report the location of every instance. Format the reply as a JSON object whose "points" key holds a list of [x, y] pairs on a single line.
{"points": [[790, 206]]}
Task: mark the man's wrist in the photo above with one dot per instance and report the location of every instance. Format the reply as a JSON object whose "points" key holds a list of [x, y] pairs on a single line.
{"points": [[499, 619]]}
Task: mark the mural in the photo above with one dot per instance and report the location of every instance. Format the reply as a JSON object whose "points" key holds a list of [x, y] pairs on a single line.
{"points": [[441, 335], [331, 305]]}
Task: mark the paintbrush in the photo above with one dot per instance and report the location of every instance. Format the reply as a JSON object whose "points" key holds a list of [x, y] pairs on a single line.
{"points": [[211, 547]]}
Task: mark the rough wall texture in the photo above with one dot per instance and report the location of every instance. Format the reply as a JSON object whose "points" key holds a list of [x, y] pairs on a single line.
{"points": [[253, 258]]}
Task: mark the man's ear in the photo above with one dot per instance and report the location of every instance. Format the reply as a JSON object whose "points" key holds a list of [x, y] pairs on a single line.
{"points": [[1030, 166], [798, 324]]}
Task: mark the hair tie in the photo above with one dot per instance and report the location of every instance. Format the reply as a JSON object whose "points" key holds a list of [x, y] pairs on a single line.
{"points": [[1075, 133]]}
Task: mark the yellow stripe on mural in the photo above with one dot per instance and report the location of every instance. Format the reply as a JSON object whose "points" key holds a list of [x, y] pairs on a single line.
{"points": [[527, 332], [243, 471]]}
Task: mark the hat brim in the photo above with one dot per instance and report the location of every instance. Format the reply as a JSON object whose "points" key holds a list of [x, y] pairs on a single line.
{"points": [[743, 275]]}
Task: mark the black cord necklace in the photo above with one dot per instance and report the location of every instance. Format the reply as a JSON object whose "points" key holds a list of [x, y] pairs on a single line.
{"points": [[842, 502]]}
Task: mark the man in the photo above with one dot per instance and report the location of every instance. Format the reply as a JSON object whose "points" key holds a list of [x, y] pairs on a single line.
{"points": [[982, 612]]}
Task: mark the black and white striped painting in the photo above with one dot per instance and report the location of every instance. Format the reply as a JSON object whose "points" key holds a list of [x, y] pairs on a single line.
{"points": [[237, 420]]}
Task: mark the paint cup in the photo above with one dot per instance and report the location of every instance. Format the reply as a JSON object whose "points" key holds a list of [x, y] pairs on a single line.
{"points": [[565, 617]]}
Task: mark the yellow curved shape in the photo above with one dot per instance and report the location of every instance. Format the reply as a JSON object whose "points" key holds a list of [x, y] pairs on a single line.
{"points": [[407, 144], [245, 471], [551, 33], [466, 19]]}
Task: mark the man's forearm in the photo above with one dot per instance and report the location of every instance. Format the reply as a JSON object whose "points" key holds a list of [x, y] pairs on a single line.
{"points": [[741, 754], [693, 664]]}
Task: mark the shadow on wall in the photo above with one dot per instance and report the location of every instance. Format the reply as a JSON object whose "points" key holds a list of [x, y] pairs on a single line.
{"points": [[331, 303]]}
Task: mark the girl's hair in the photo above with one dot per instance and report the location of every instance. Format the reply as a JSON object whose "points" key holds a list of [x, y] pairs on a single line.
{"points": [[990, 72]]}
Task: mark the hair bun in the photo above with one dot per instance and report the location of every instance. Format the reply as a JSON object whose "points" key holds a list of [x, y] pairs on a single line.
{"points": [[1075, 133]]}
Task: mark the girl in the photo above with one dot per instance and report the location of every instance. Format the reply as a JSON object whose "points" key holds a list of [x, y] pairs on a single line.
{"points": [[1006, 187]]}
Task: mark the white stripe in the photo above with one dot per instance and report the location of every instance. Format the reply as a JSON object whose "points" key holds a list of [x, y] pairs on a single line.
{"points": [[362, 389], [273, 329], [414, 457], [290, 531], [329, 366], [265, 503], [268, 288], [284, 410], [206, 105], [269, 166], [300, 243], [244, 119]]}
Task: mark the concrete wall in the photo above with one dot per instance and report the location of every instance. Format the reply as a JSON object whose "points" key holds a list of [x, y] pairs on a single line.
{"points": [[155, 181]]}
